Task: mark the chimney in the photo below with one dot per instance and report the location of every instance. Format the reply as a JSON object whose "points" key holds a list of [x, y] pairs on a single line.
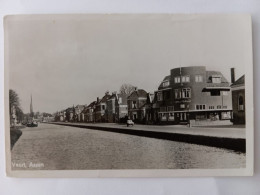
{"points": [[233, 77], [136, 88], [107, 93], [97, 99]]}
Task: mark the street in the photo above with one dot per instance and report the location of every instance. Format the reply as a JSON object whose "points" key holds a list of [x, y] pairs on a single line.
{"points": [[55, 147]]}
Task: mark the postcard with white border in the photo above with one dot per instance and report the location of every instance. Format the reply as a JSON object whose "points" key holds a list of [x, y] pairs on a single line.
{"points": [[128, 95]]}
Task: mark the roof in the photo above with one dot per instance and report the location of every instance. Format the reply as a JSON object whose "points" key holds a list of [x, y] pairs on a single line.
{"points": [[210, 74], [167, 78], [91, 104], [112, 96], [104, 98], [138, 93], [240, 81], [80, 107], [70, 109]]}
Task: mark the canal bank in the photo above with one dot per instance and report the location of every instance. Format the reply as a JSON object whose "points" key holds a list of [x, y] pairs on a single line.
{"points": [[227, 138]]}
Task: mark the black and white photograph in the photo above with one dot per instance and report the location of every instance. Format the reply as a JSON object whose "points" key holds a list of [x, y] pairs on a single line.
{"points": [[128, 95]]}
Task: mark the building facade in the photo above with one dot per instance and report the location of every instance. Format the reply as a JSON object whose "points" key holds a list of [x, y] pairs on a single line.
{"points": [[111, 108], [238, 101], [136, 105], [193, 94], [100, 108], [89, 114], [121, 108], [78, 110]]}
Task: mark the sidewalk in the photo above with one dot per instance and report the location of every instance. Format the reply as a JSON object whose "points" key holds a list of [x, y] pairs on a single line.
{"points": [[222, 132]]}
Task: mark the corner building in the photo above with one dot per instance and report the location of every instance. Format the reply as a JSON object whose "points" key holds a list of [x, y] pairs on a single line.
{"points": [[195, 95]]}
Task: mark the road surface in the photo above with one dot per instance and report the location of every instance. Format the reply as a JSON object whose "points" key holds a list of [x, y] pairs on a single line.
{"points": [[55, 147]]}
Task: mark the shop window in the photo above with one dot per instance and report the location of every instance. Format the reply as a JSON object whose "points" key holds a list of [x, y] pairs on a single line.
{"points": [[171, 116], [225, 115], [164, 117]]}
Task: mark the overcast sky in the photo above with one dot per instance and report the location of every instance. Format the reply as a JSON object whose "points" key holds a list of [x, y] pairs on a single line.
{"points": [[65, 60]]}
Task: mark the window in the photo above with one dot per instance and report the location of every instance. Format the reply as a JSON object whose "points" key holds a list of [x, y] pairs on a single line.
{"points": [[171, 116], [198, 78], [177, 94], [200, 107], [182, 105], [164, 118], [159, 96], [186, 93], [211, 107], [218, 107], [120, 100], [225, 115], [240, 103], [177, 79], [216, 79], [224, 107], [182, 93], [134, 104], [185, 79], [103, 107], [166, 83]]}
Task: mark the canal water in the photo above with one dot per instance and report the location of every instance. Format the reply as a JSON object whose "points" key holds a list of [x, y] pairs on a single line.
{"points": [[54, 147]]}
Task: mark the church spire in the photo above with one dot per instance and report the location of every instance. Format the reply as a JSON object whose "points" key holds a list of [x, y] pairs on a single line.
{"points": [[31, 108]]}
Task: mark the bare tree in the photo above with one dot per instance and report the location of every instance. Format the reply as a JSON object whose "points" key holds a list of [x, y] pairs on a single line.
{"points": [[126, 89]]}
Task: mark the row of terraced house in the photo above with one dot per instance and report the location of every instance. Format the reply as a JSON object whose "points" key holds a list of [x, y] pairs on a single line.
{"points": [[187, 95]]}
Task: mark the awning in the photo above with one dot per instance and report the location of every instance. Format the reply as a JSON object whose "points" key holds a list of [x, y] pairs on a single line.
{"points": [[216, 88]]}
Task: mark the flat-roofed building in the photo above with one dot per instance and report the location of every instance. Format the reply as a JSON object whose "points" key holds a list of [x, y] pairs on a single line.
{"points": [[193, 94]]}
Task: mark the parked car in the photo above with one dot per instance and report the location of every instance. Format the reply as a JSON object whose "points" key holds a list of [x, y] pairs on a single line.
{"points": [[130, 122], [32, 124]]}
